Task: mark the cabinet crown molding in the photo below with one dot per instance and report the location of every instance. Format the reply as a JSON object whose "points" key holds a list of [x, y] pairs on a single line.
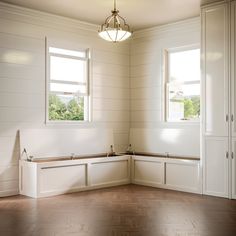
{"points": [[212, 2]]}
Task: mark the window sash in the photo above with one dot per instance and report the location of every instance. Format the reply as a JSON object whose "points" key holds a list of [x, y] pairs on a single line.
{"points": [[167, 53], [168, 82], [68, 56], [85, 95], [70, 82], [65, 52], [66, 82], [68, 93], [85, 75], [184, 83]]}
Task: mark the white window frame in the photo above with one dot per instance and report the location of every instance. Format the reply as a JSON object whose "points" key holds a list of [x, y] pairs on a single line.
{"points": [[167, 82], [86, 95]]}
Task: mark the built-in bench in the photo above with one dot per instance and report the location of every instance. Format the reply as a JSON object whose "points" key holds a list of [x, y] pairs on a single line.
{"points": [[48, 177], [59, 173]]}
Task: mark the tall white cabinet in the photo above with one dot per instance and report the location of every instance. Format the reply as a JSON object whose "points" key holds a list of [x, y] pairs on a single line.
{"points": [[218, 99], [233, 97]]}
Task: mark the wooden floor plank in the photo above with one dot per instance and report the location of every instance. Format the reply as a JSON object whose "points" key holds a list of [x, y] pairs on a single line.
{"points": [[119, 211]]}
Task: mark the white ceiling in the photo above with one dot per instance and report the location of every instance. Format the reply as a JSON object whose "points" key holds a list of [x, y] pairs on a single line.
{"points": [[139, 14]]}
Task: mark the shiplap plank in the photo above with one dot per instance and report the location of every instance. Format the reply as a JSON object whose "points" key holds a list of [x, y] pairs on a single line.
{"points": [[121, 116], [146, 93], [9, 70], [145, 81], [8, 173], [112, 93], [23, 43], [146, 70], [21, 57], [147, 116], [16, 85], [22, 100], [11, 185], [110, 81], [121, 138], [110, 58], [9, 158], [110, 69], [111, 104], [22, 114], [146, 58], [145, 104]]}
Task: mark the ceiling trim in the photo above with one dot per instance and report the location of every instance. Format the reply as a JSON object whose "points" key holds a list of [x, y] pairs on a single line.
{"points": [[171, 27], [43, 18], [213, 2]]}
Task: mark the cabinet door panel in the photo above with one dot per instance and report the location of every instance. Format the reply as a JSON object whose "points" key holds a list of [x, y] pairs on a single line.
{"points": [[182, 175], [233, 66], [233, 168], [216, 166], [62, 179], [109, 173], [215, 70], [148, 172]]}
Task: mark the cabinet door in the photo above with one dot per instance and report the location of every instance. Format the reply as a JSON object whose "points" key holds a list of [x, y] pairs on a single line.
{"points": [[215, 75], [148, 171], [233, 66], [233, 169], [216, 166], [110, 173], [54, 180]]}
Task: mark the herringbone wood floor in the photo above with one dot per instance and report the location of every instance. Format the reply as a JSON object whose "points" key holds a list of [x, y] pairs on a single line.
{"points": [[119, 211]]}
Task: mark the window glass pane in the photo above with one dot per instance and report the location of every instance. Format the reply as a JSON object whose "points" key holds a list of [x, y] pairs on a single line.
{"points": [[184, 102], [184, 65], [67, 69], [67, 88], [66, 107], [67, 52]]}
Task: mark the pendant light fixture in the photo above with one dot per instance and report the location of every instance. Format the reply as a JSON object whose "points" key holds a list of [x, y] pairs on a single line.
{"points": [[115, 28]]}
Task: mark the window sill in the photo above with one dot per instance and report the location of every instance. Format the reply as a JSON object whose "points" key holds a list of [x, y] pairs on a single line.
{"points": [[182, 123], [67, 123]]}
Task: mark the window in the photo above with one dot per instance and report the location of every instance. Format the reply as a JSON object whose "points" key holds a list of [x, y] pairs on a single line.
{"points": [[67, 85], [183, 85]]}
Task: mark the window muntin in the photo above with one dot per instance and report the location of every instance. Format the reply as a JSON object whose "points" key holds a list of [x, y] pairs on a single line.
{"points": [[68, 85], [183, 85]]}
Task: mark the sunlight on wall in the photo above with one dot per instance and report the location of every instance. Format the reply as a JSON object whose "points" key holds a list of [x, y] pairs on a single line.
{"points": [[17, 57], [170, 135]]}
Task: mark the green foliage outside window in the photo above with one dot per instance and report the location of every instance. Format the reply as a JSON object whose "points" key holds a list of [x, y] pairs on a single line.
{"points": [[59, 110], [191, 107]]}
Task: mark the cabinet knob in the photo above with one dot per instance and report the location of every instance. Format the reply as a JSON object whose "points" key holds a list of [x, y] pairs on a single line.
{"points": [[227, 118], [227, 155], [232, 117], [232, 155]]}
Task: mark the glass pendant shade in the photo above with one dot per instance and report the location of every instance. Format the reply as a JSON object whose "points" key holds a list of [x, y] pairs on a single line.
{"points": [[114, 35], [115, 28]]}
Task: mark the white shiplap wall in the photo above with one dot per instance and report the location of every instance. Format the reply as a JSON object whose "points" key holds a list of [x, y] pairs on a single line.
{"points": [[22, 81], [127, 88], [147, 90]]}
